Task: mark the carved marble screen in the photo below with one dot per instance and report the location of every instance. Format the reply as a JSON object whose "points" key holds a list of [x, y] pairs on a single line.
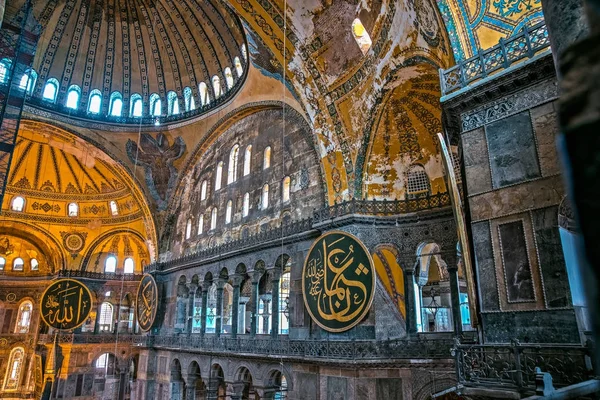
{"points": [[517, 268]]}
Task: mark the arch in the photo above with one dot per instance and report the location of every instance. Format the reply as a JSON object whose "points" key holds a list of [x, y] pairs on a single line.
{"points": [[204, 96], [155, 105], [34, 263], [219, 175], [28, 81], [417, 181], [24, 317], [18, 264], [110, 265], [95, 102], [247, 159], [228, 78], [128, 266], [239, 69], [14, 369], [246, 205], [18, 204], [233, 164], [217, 88], [243, 375], [277, 385], [73, 96], [115, 104], [194, 380], [217, 375], [50, 90], [188, 97], [228, 212], [213, 218], [136, 106], [172, 103], [106, 363], [105, 236], [203, 190], [267, 157]]}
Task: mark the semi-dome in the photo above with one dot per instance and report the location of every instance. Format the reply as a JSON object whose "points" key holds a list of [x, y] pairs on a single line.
{"points": [[136, 62]]}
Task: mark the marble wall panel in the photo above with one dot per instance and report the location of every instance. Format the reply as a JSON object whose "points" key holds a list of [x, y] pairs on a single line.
{"points": [[306, 386], [337, 388], [512, 150], [545, 125], [517, 268], [486, 269], [476, 161], [389, 389], [556, 326]]}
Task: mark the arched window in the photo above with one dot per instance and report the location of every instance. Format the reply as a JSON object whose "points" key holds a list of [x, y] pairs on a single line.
{"points": [[418, 181], [136, 106], [188, 229], [106, 317], [110, 265], [18, 264], [204, 96], [228, 78], [247, 160], [155, 105], [73, 95], [116, 104], [265, 197], [14, 369], [244, 52], [267, 157], [128, 266], [24, 317], [95, 102], [217, 89], [188, 97], [28, 81], [219, 175], [114, 208], [233, 163], [35, 265], [361, 36], [246, 205], [201, 224], [73, 210], [213, 219], [203, 190], [2, 263], [285, 192], [173, 103], [238, 66], [228, 212], [284, 295], [4, 69], [18, 204], [50, 90]]}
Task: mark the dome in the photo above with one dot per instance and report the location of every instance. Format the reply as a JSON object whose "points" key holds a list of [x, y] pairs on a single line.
{"points": [[136, 62]]}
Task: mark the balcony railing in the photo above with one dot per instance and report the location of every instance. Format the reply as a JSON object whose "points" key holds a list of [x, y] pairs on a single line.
{"points": [[525, 44], [95, 338], [513, 366], [104, 276]]}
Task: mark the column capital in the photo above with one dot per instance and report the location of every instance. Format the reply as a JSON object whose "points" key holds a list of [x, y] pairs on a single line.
{"points": [[221, 282], [236, 280], [256, 275], [275, 274], [206, 285]]}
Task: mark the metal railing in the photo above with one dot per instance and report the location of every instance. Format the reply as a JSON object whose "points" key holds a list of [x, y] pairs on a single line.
{"points": [[95, 338], [525, 44], [512, 366], [104, 276]]}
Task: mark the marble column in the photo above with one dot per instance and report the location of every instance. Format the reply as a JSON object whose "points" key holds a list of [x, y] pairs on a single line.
{"points": [[455, 298], [190, 391], [256, 275], [219, 311], [275, 281], [409, 299], [266, 299], [190, 315], [205, 287], [212, 389], [236, 280]]}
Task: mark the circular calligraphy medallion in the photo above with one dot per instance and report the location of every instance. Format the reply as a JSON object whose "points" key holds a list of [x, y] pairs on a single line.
{"points": [[338, 281], [146, 303], [66, 304], [74, 242]]}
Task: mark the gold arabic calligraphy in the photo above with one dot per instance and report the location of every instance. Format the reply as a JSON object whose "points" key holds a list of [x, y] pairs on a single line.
{"points": [[147, 301], [66, 304]]}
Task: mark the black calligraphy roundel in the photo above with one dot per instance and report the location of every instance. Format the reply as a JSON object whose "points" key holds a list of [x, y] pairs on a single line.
{"points": [[146, 302], [338, 281], [66, 304]]}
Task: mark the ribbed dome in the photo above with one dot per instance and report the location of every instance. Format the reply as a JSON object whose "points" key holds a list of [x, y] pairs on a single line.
{"points": [[136, 49]]}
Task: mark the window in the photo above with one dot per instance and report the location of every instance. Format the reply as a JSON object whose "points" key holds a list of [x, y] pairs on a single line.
{"points": [[31, 81], [2, 263], [128, 266], [265, 197], [114, 209], [116, 104], [213, 219], [200, 224], [24, 317], [136, 106], [106, 317], [219, 175], [72, 210], [203, 190], [418, 181], [102, 361], [217, 89], [35, 265], [4, 69], [233, 163], [238, 66], [173, 103], [18, 264], [361, 36], [267, 157], [247, 160], [50, 90], [18, 204], [188, 229], [244, 52], [155, 105], [204, 96], [95, 102], [73, 95], [285, 193], [228, 212], [110, 265], [246, 205], [228, 78], [188, 96], [284, 294], [14, 369]]}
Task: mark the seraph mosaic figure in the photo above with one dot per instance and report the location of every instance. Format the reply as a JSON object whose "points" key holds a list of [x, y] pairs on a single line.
{"points": [[157, 157]]}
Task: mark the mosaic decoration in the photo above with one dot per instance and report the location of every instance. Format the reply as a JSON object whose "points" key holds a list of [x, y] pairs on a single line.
{"points": [[338, 281], [74, 241], [65, 304], [157, 157], [5, 247], [146, 302]]}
